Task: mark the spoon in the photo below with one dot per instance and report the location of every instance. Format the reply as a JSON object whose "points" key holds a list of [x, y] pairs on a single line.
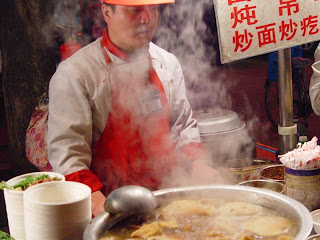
{"points": [[120, 204], [130, 199]]}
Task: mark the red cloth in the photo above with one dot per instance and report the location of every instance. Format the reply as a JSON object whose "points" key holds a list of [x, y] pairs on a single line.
{"points": [[86, 177], [68, 48]]}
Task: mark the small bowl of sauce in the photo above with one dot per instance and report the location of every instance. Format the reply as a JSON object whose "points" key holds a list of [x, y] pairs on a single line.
{"points": [[273, 172]]}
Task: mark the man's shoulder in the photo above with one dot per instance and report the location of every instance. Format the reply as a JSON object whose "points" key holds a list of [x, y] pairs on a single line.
{"points": [[88, 63], [91, 54]]}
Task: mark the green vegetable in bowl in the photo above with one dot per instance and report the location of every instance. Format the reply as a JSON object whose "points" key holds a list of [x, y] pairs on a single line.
{"points": [[5, 236], [4, 185], [29, 181]]}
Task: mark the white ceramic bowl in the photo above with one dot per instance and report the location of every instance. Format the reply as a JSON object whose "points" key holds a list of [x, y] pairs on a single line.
{"points": [[15, 205], [57, 210], [316, 220]]}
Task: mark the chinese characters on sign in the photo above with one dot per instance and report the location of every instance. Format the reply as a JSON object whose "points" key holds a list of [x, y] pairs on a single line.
{"points": [[253, 27]]}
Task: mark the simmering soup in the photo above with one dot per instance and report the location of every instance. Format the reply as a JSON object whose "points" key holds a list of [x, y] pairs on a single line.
{"points": [[206, 219]]}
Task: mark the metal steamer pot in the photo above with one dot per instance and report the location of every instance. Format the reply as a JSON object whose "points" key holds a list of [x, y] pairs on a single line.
{"points": [[276, 201], [224, 134]]}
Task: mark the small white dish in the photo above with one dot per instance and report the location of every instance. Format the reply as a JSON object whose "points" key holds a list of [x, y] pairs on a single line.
{"points": [[316, 220], [314, 237]]}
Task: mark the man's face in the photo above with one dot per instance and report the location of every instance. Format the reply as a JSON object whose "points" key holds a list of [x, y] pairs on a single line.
{"points": [[131, 27]]}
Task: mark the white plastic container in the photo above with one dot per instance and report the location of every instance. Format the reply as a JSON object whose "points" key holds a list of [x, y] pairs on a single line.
{"points": [[57, 210], [304, 186], [15, 204]]}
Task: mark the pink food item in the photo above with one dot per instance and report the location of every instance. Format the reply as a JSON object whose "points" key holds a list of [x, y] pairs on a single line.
{"points": [[306, 157]]}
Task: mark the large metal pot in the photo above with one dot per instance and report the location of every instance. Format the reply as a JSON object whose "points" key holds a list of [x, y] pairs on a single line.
{"points": [[276, 201]]}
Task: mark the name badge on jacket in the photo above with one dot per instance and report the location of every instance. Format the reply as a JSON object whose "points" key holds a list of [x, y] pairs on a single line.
{"points": [[150, 102]]}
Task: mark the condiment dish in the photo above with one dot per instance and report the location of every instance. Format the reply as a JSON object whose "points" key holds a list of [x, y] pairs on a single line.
{"points": [[314, 237], [316, 220]]}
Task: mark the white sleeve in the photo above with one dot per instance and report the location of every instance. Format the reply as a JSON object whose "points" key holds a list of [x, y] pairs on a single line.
{"points": [[315, 83], [184, 128], [70, 122]]}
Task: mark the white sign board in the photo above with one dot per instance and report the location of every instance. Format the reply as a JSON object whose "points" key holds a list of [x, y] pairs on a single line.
{"points": [[248, 28]]}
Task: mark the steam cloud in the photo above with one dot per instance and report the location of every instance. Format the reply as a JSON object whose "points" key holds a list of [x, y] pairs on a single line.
{"points": [[183, 32]]}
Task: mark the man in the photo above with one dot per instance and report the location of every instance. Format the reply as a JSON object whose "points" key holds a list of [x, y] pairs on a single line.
{"points": [[118, 112], [315, 82]]}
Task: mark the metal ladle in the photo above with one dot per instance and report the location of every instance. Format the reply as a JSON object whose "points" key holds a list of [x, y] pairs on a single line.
{"points": [[130, 199], [120, 204]]}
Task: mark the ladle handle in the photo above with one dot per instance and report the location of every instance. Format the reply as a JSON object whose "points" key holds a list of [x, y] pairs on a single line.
{"points": [[100, 224], [96, 227]]}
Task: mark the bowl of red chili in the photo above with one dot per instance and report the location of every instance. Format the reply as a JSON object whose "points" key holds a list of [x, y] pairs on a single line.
{"points": [[274, 172]]}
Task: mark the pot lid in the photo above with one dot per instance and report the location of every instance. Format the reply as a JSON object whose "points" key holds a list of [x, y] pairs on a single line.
{"points": [[217, 120]]}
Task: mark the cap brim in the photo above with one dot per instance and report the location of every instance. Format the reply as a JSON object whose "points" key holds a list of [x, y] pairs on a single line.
{"points": [[137, 2]]}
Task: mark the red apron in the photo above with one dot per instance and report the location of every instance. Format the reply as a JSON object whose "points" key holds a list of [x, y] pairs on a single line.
{"points": [[133, 148]]}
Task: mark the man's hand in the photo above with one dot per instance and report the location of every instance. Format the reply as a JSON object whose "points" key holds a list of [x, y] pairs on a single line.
{"points": [[97, 202], [202, 173]]}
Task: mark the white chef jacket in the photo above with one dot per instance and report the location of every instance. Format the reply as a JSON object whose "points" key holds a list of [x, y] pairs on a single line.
{"points": [[314, 89], [80, 102]]}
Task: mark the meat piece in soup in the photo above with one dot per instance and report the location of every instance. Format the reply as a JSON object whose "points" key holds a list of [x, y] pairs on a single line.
{"points": [[269, 226], [285, 238], [153, 229], [205, 220], [185, 208], [239, 208], [165, 238]]}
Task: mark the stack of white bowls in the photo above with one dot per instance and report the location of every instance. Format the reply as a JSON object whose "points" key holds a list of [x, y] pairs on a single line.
{"points": [[57, 210], [15, 205]]}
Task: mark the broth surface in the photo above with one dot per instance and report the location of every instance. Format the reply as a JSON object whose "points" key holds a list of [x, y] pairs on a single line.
{"points": [[206, 219]]}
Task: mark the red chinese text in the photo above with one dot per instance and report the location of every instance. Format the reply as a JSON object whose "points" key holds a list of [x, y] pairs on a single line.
{"points": [[288, 30], [247, 13], [242, 41], [266, 34], [230, 2], [310, 23], [289, 5]]}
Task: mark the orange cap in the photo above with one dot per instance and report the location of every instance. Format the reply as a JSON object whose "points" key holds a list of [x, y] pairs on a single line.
{"points": [[136, 2]]}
